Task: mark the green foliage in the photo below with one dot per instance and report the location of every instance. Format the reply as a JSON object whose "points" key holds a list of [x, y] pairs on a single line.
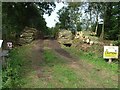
{"points": [[109, 12], [79, 28], [55, 30], [13, 69], [112, 21], [64, 18], [50, 58], [69, 17], [117, 43]]}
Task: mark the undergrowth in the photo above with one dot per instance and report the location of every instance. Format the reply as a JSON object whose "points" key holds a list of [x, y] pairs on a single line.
{"points": [[11, 71]]}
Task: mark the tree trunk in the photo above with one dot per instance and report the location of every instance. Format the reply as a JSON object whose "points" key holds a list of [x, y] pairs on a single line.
{"points": [[103, 26], [90, 17], [87, 26], [119, 26], [102, 33], [96, 28]]}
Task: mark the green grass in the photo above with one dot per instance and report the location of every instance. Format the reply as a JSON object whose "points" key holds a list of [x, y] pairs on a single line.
{"points": [[0, 79], [11, 72], [50, 57], [99, 64], [62, 75], [56, 73], [90, 57]]}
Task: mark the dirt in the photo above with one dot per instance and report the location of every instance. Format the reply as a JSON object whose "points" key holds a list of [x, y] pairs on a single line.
{"points": [[93, 76], [35, 58]]}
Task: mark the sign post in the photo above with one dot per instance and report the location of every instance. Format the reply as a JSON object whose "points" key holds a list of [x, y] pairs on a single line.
{"points": [[110, 52]]}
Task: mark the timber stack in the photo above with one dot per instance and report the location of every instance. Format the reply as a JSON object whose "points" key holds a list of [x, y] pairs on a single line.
{"points": [[28, 35], [65, 37]]}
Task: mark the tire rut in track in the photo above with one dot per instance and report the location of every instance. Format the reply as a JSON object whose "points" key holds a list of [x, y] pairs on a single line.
{"points": [[37, 51]]}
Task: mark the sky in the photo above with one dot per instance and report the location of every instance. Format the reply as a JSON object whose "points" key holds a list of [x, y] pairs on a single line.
{"points": [[52, 19]]}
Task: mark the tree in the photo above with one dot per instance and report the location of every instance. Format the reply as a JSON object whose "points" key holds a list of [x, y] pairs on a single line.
{"points": [[74, 9], [112, 21], [69, 17], [18, 15], [109, 12], [64, 18], [103, 13]]}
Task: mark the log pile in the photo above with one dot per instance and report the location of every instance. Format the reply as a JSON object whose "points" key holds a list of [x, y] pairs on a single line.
{"points": [[80, 35], [93, 33], [65, 37], [88, 40], [28, 35]]}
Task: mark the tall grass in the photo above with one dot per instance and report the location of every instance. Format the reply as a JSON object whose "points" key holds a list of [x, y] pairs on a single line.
{"points": [[11, 72]]}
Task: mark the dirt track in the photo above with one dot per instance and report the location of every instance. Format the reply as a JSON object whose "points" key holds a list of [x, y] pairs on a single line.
{"points": [[87, 71]]}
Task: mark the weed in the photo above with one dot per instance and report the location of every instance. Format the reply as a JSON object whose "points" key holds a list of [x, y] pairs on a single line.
{"points": [[11, 74]]}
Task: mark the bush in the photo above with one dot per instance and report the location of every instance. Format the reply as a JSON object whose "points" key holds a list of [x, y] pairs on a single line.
{"points": [[117, 43], [11, 73]]}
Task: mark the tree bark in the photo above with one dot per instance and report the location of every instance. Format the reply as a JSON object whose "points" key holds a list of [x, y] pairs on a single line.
{"points": [[103, 26], [102, 33], [96, 28]]}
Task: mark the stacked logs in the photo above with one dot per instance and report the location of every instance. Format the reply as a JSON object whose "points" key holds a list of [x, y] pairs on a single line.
{"points": [[88, 40], [65, 37], [28, 35], [80, 35]]}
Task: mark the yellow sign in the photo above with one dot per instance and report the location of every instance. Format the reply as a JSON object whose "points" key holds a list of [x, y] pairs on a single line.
{"points": [[110, 52]]}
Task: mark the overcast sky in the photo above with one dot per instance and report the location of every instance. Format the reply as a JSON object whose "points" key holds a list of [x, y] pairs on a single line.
{"points": [[52, 19]]}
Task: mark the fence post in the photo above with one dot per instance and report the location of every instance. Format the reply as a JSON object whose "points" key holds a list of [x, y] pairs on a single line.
{"points": [[110, 59]]}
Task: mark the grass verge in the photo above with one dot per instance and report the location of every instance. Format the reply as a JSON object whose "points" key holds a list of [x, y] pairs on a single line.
{"points": [[90, 57], [11, 71]]}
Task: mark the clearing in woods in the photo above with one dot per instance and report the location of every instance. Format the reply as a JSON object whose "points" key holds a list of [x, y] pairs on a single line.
{"points": [[50, 66]]}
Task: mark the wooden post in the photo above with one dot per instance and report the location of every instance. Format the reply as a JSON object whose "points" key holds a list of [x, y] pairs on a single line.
{"points": [[110, 59]]}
